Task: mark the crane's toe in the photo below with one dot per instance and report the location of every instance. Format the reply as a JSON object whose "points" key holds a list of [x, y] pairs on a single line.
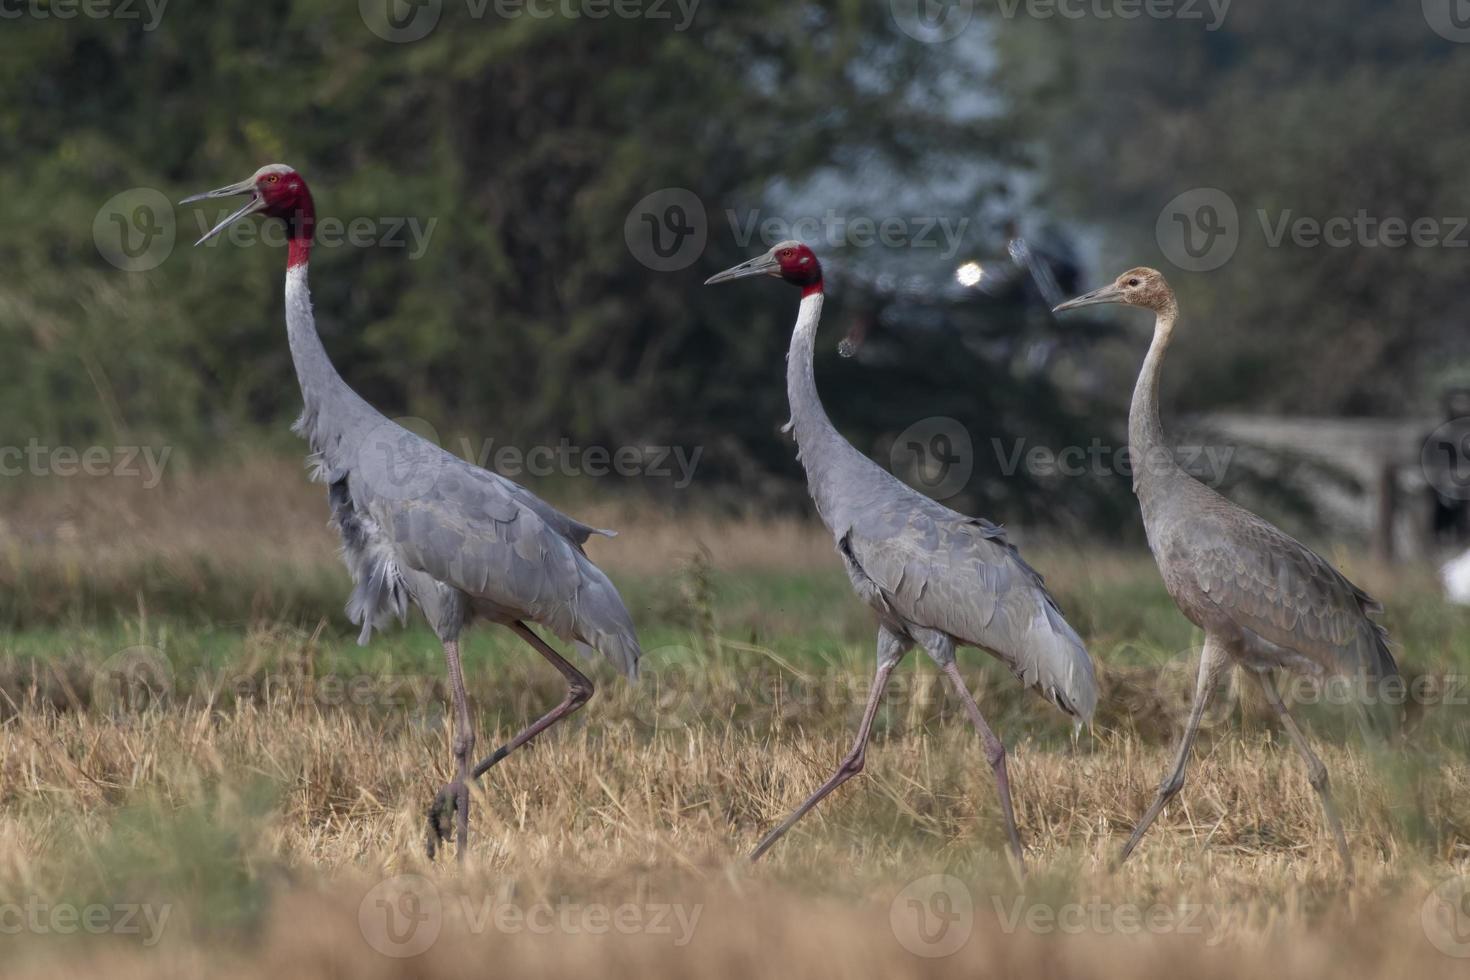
{"points": [[452, 800]]}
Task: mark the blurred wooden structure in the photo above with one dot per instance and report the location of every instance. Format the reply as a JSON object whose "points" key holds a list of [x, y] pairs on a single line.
{"points": [[1382, 456]]}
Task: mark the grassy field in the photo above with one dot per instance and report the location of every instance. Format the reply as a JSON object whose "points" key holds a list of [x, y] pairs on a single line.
{"points": [[257, 807]]}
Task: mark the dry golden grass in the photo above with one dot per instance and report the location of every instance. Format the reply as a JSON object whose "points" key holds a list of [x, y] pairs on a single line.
{"points": [[263, 509], [267, 817], [294, 813]]}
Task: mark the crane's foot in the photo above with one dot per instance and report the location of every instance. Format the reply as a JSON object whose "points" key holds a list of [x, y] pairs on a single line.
{"points": [[449, 816]]}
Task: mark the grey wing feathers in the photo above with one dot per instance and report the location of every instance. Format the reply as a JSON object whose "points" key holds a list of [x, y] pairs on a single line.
{"points": [[474, 532], [962, 577], [470, 530], [1277, 588], [568, 527]]}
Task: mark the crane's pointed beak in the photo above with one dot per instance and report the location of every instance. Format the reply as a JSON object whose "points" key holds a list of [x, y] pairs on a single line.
{"points": [[255, 204], [1107, 294], [761, 265]]}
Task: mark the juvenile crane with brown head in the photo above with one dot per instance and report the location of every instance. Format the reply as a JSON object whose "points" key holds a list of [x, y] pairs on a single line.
{"points": [[1264, 600]]}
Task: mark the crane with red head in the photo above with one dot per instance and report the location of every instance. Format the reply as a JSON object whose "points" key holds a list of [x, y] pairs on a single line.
{"points": [[935, 578], [422, 527]]}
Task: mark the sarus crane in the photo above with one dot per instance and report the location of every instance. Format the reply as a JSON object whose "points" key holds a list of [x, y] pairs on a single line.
{"points": [[1264, 600], [935, 577], [420, 525]]}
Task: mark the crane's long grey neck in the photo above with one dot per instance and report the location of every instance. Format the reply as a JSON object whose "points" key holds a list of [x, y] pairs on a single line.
{"points": [[314, 369], [820, 447], [808, 418], [1152, 457], [332, 411]]}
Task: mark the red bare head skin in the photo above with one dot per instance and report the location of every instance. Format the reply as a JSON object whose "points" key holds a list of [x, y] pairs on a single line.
{"points": [[791, 261], [287, 197], [799, 266]]}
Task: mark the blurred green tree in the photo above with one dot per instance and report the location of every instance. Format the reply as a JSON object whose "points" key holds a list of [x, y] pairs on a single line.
{"points": [[1302, 114], [517, 145]]}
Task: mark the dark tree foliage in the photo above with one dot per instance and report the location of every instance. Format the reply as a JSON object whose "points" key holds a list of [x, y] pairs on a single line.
{"points": [[519, 145], [1353, 111]]}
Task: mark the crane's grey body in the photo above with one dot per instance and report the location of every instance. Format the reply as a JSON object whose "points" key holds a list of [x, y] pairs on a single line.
{"points": [[1264, 600], [420, 524], [936, 579], [1273, 602]]}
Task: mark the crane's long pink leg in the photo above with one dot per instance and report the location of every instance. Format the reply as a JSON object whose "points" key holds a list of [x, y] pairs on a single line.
{"points": [[995, 754], [579, 692], [1212, 664], [454, 798], [1316, 771], [890, 654]]}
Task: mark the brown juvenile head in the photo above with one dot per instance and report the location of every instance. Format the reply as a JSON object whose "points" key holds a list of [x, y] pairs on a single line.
{"points": [[1141, 287]]}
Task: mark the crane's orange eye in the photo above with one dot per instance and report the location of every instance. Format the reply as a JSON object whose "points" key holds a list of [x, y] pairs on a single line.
{"points": [[273, 178], [788, 252]]}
